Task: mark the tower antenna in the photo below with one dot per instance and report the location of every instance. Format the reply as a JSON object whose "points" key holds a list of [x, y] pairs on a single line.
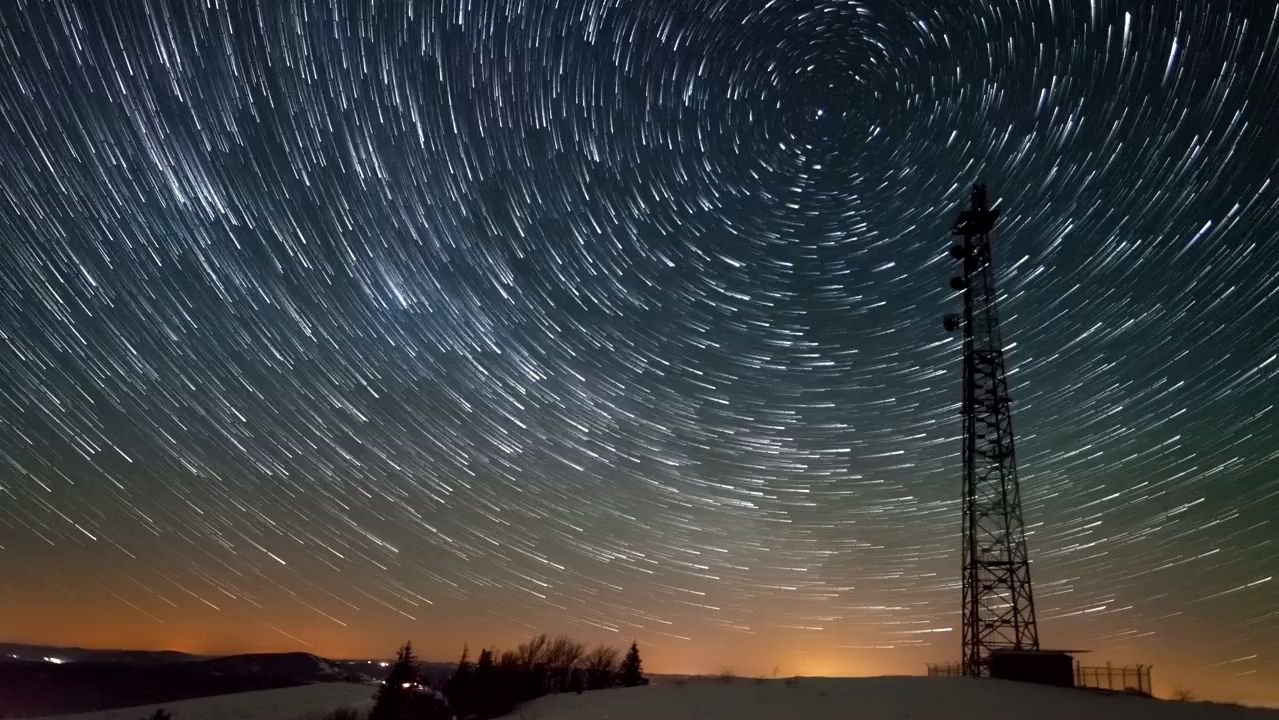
{"points": [[998, 606]]}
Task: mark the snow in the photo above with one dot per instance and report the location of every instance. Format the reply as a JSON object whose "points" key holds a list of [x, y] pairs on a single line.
{"points": [[895, 698], [284, 704], [898, 698]]}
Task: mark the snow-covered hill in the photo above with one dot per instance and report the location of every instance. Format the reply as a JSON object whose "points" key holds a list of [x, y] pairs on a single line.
{"points": [[886, 698]]}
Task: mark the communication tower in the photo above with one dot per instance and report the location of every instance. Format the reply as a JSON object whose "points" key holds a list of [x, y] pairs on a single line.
{"points": [[998, 606]]}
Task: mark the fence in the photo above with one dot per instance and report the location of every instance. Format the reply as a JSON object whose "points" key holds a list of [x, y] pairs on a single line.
{"points": [[1103, 678], [1114, 678], [944, 670]]}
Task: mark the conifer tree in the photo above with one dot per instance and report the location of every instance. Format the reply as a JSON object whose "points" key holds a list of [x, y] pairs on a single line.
{"points": [[459, 687], [397, 691], [488, 698], [632, 673]]}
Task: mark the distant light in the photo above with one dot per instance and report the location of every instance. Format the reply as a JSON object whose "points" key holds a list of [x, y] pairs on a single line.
{"points": [[407, 685], [383, 664], [820, 112], [55, 661]]}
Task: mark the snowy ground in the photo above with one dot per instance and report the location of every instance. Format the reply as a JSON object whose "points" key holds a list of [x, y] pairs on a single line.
{"points": [[285, 704], [895, 698]]}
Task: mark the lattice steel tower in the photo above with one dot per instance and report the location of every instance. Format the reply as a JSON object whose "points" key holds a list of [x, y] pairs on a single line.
{"points": [[998, 610]]}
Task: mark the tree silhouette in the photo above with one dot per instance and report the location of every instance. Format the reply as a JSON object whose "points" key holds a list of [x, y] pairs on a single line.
{"points": [[400, 697], [601, 667], [532, 660], [500, 681], [490, 696], [459, 688], [562, 656], [632, 673]]}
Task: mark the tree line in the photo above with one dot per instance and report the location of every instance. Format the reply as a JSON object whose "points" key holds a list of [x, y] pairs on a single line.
{"points": [[498, 681]]}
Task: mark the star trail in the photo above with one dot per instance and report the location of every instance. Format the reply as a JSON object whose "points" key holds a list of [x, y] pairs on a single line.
{"points": [[327, 325]]}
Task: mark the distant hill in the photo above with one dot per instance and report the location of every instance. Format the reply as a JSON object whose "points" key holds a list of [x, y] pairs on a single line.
{"points": [[74, 680], [298, 667], [373, 669], [17, 651]]}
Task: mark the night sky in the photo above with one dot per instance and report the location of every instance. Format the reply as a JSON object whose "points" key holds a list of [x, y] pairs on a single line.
{"points": [[330, 325]]}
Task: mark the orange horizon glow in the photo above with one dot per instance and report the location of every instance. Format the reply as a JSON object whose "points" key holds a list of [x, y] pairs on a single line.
{"points": [[776, 658]]}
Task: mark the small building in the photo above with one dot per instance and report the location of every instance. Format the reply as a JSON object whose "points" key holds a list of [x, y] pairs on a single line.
{"points": [[1046, 667]]}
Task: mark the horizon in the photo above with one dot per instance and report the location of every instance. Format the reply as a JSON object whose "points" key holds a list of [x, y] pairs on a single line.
{"points": [[647, 671], [329, 325]]}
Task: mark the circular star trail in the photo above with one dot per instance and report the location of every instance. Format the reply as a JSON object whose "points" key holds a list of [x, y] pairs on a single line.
{"points": [[327, 325]]}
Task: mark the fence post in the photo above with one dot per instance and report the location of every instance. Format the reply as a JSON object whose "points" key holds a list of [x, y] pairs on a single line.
{"points": [[1110, 677]]}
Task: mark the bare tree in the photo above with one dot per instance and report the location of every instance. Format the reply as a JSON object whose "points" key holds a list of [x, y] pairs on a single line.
{"points": [[532, 654], [508, 660], [600, 665], [562, 657]]}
